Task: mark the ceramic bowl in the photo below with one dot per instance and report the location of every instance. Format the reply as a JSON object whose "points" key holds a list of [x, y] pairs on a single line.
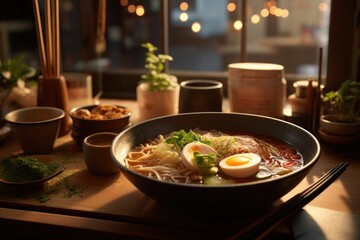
{"points": [[36, 128], [82, 127], [238, 197], [329, 124]]}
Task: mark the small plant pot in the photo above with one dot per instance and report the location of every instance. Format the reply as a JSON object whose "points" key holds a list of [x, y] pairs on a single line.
{"points": [[331, 124], [156, 103]]}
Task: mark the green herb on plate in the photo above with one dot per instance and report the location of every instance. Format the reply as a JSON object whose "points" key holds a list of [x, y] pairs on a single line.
{"points": [[24, 168]]}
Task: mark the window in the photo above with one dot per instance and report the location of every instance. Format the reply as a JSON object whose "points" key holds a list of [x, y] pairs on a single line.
{"points": [[203, 36]]}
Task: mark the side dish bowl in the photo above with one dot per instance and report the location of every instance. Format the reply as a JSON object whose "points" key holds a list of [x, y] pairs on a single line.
{"points": [[239, 196], [83, 127]]}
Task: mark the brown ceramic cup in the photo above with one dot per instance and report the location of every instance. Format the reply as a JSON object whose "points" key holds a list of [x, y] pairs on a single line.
{"points": [[97, 155], [200, 96]]}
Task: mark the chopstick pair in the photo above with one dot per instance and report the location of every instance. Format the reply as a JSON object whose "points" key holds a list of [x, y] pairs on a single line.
{"points": [[50, 48], [292, 206]]}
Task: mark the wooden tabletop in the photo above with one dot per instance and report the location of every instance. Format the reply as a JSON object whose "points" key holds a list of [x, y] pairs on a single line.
{"points": [[78, 203]]}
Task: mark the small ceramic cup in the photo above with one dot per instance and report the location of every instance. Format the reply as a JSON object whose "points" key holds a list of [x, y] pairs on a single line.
{"points": [[97, 155], [36, 128], [200, 96]]}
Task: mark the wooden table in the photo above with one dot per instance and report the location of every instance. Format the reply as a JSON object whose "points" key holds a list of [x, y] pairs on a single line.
{"points": [[78, 203]]}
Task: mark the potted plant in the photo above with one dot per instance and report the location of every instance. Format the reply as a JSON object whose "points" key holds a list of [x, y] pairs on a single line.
{"points": [[158, 92], [343, 115], [17, 84]]}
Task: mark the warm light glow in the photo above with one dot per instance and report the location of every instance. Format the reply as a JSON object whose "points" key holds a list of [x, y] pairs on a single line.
{"points": [[271, 3], [278, 12], [184, 6], [285, 13], [323, 7], [231, 7], [238, 25], [131, 8], [140, 11], [196, 27], [184, 17], [255, 19], [264, 12], [124, 2], [272, 10]]}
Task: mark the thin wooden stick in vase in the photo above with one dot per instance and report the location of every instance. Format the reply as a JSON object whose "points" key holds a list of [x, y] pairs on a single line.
{"points": [[56, 37], [40, 38], [49, 41]]}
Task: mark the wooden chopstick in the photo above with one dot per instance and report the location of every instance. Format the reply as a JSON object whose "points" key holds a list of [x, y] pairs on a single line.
{"points": [[48, 38], [50, 48], [56, 38], [309, 105], [40, 37], [290, 207], [317, 107]]}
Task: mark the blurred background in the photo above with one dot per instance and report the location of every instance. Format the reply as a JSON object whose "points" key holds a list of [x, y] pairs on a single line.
{"points": [[203, 36]]}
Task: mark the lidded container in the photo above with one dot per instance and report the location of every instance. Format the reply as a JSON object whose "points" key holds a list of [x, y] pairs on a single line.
{"points": [[257, 88]]}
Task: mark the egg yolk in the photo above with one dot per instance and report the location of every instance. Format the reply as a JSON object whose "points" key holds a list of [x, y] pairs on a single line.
{"points": [[194, 148], [238, 160]]}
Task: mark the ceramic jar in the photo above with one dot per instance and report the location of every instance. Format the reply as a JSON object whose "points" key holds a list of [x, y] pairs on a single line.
{"points": [[156, 103]]}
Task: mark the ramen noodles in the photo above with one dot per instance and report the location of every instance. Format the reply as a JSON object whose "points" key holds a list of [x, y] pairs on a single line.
{"points": [[213, 157]]}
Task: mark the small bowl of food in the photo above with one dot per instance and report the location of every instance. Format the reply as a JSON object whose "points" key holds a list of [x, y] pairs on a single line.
{"points": [[216, 163], [36, 128], [87, 120]]}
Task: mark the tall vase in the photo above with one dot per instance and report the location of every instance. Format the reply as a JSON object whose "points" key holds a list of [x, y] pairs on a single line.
{"points": [[53, 93]]}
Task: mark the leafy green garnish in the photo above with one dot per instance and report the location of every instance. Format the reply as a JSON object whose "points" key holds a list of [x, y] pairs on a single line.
{"points": [[181, 138], [206, 163]]}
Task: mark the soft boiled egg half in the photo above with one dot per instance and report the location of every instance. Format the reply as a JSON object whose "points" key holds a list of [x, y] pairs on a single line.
{"points": [[241, 165], [187, 153]]}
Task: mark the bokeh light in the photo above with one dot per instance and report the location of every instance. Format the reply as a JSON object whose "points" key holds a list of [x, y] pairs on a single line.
{"points": [[184, 17], [231, 7], [196, 27], [255, 19], [184, 6], [238, 25]]}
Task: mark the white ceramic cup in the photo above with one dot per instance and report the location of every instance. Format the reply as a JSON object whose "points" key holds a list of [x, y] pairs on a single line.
{"points": [[97, 155]]}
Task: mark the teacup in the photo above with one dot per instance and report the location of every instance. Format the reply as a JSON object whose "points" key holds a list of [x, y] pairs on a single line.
{"points": [[97, 155], [200, 96]]}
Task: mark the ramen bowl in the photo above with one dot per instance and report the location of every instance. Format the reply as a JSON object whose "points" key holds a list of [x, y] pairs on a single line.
{"points": [[228, 197]]}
